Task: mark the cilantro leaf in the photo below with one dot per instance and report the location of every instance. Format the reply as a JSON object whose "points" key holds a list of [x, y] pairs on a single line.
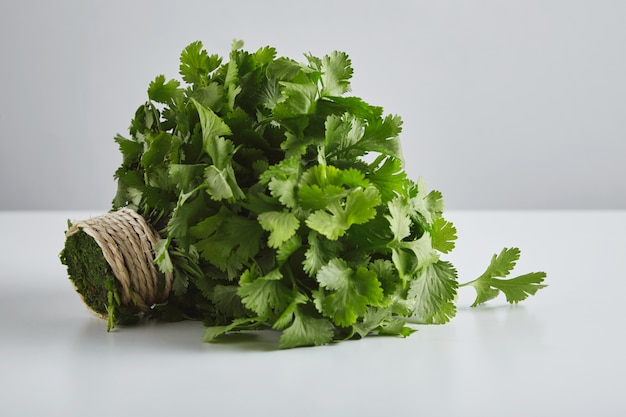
{"points": [[381, 320], [443, 235], [189, 209], [213, 127], [348, 292], [299, 99], [389, 178], [352, 105], [350, 137], [158, 146], [489, 284], [433, 291], [265, 295], [382, 135], [162, 257], [306, 330], [164, 92], [320, 251], [227, 241], [336, 70], [281, 225], [186, 176], [315, 197], [265, 55], [211, 96], [196, 64], [282, 179], [227, 300], [130, 149], [343, 134], [399, 219], [336, 219], [409, 252], [221, 184], [288, 315], [427, 205], [288, 248]]}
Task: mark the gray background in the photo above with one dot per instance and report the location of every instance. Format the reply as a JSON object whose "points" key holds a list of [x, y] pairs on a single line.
{"points": [[506, 104]]}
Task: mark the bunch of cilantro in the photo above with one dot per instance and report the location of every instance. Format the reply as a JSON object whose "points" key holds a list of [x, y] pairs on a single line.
{"points": [[283, 203]]}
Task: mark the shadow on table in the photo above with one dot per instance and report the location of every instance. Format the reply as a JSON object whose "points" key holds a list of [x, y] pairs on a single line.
{"points": [[152, 336]]}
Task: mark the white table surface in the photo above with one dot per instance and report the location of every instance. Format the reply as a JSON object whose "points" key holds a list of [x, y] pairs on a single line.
{"points": [[560, 353]]}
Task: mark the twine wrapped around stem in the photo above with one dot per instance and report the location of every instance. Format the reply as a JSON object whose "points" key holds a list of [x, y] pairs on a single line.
{"points": [[128, 244]]}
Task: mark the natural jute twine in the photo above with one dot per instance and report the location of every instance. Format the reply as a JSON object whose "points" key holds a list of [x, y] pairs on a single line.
{"points": [[128, 244]]}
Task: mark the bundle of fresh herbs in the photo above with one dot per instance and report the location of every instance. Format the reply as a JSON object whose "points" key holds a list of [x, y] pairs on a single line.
{"points": [[283, 203]]}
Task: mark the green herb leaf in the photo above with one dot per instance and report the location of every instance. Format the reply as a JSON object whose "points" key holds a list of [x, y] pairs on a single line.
{"points": [[349, 291], [281, 225], [489, 284], [265, 295], [164, 92], [306, 330], [336, 70], [443, 235], [196, 64], [336, 219], [433, 291]]}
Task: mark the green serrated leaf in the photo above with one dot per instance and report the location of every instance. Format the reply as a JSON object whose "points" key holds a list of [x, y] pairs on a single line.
{"points": [[335, 219], [306, 330], [410, 256], [213, 128], [211, 96], [349, 292], [227, 241], [382, 135], [265, 55], [162, 256], [288, 248], [390, 178], [282, 225], [227, 301], [343, 134], [443, 235], [186, 176], [433, 290], [398, 218], [353, 105], [320, 251], [314, 197], [196, 64], [164, 92], [221, 184], [489, 284], [297, 100], [502, 264], [180, 283], [158, 146], [130, 149], [336, 70], [282, 180], [519, 288], [187, 213], [265, 295]]}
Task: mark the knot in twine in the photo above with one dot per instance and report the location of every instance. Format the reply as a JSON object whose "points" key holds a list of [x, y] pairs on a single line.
{"points": [[128, 244]]}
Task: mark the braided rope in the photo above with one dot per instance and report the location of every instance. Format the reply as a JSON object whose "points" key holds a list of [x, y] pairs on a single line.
{"points": [[128, 244]]}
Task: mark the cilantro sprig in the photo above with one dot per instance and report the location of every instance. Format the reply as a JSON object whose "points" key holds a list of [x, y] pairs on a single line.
{"points": [[282, 202], [489, 285]]}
